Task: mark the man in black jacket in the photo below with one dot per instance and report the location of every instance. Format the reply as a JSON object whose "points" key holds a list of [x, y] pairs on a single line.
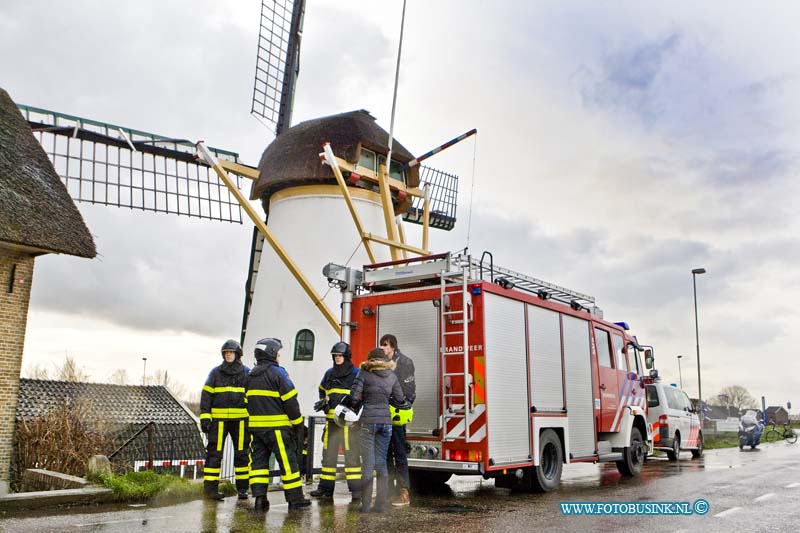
{"points": [[335, 385], [223, 412], [398, 452], [275, 422]]}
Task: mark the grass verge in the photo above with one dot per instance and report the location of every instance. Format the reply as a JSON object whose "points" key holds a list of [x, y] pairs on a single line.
{"points": [[148, 485]]}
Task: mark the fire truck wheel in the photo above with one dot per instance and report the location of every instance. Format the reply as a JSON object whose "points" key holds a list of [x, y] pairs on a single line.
{"points": [[632, 456], [675, 453], [547, 476], [423, 481]]}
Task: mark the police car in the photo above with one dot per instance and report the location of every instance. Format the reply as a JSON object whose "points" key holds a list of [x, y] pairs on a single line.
{"points": [[673, 422]]}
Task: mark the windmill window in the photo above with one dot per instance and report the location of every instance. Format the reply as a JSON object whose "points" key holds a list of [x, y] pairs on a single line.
{"points": [[304, 345], [369, 160]]}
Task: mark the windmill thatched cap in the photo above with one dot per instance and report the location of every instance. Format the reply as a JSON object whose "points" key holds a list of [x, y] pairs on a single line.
{"points": [[293, 157], [36, 210]]}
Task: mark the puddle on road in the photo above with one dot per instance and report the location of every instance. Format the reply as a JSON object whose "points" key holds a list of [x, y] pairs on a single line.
{"points": [[454, 508]]}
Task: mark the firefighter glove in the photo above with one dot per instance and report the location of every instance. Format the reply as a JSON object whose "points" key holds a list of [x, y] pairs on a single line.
{"points": [[321, 405]]}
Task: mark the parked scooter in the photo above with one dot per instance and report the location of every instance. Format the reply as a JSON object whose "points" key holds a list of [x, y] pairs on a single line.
{"points": [[750, 430]]}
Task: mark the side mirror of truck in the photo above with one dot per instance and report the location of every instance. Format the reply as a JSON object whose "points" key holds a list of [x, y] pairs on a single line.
{"points": [[648, 359]]}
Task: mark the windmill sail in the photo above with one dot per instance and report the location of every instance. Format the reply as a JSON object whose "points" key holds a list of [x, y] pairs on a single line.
{"points": [[277, 69], [444, 199], [106, 164]]}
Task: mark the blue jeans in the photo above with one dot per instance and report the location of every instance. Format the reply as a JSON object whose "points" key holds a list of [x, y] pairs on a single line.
{"points": [[374, 445]]}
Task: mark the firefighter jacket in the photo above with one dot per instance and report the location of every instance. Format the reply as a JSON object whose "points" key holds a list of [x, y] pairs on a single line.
{"points": [[336, 384], [271, 398], [374, 387], [405, 374], [223, 396]]}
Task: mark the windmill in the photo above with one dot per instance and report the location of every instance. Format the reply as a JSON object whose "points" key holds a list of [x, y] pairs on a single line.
{"points": [[114, 165]]}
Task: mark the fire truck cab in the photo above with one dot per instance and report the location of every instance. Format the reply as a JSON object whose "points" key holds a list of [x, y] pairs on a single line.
{"points": [[515, 376]]}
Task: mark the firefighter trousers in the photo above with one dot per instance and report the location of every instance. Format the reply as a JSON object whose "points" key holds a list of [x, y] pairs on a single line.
{"points": [[281, 442], [334, 438], [237, 429]]}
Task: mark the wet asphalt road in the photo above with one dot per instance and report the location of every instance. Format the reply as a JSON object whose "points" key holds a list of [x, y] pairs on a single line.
{"points": [[747, 491]]}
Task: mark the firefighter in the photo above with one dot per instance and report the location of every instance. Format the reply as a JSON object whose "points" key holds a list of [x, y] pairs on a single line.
{"points": [[335, 385], [398, 448], [275, 426], [223, 412]]}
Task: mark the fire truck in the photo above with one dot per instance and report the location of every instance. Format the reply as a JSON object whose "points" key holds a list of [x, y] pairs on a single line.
{"points": [[515, 376]]}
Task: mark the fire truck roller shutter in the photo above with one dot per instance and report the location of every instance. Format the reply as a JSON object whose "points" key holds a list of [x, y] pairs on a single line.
{"points": [[506, 380], [547, 383], [578, 370], [416, 326]]}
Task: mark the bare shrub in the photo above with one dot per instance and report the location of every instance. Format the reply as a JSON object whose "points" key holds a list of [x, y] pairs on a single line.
{"points": [[61, 440]]}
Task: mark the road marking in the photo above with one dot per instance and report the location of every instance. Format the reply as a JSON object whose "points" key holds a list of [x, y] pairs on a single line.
{"points": [[793, 486], [729, 511], [140, 519], [764, 497]]}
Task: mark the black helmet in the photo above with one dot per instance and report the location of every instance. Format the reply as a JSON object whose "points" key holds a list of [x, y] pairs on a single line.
{"points": [[231, 346], [267, 349], [342, 348]]}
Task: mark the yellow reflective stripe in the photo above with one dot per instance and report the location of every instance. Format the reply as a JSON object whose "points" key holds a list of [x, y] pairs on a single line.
{"points": [[352, 469], [328, 477], [241, 469], [242, 476], [210, 478], [229, 412], [297, 421], [287, 467], [210, 470], [220, 436], [218, 390], [329, 414], [205, 416], [241, 436], [346, 440], [325, 435], [338, 391], [257, 480], [268, 418], [289, 486], [269, 421], [322, 388], [276, 424], [351, 477], [329, 469], [289, 394], [260, 472], [260, 392]]}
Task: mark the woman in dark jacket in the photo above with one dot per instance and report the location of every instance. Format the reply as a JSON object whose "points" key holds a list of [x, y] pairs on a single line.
{"points": [[375, 387]]}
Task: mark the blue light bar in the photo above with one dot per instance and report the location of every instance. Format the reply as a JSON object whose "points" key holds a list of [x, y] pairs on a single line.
{"points": [[623, 325]]}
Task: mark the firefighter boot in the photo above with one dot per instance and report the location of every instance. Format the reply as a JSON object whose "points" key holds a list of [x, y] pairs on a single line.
{"points": [[211, 491], [299, 504], [243, 495], [262, 504], [321, 493], [382, 495], [402, 499]]}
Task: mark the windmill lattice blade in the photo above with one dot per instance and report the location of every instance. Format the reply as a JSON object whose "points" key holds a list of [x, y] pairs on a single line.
{"points": [[444, 199], [111, 165], [277, 61]]}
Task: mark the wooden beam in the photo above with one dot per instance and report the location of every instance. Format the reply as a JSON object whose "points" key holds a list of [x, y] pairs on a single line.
{"points": [[388, 211], [387, 242], [426, 216], [242, 170], [271, 239]]}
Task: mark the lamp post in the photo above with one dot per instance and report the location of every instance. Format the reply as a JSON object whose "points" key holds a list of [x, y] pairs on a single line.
{"points": [[695, 273], [680, 375], [144, 369]]}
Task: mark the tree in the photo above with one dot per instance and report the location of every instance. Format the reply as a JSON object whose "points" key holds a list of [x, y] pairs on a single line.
{"points": [[70, 371], [37, 371], [735, 396], [119, 377]]}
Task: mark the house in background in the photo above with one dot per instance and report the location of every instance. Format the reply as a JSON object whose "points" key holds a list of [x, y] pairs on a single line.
{"points": [[140, 423], [37, 216], [777, 414]]}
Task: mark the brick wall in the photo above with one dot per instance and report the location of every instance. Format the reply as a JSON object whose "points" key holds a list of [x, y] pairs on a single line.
{"points": [[14, 297]]}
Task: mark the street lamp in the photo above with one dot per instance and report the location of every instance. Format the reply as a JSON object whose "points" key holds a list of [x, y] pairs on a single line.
{"points": [[680, 375], [695, 273], [144, 369]]}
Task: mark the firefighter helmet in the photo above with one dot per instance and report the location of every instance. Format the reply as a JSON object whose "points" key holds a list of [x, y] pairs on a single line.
{"points": [[231, 346], [343, 349], [345, 416], [401, 417], [268, 349]]}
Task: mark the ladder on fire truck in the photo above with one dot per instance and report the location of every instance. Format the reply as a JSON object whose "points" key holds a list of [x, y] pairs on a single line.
{"points": [[455, 405]]}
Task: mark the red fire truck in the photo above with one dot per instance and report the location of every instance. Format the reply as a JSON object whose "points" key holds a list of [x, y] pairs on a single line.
{"points": [[515, 376]]}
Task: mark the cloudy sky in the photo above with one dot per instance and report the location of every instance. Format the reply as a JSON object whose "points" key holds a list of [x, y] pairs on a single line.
{"points": [[619, 147]]}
